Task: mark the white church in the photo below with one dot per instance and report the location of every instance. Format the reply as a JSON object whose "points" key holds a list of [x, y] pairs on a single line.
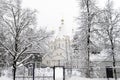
{"points": [[60, 49]]}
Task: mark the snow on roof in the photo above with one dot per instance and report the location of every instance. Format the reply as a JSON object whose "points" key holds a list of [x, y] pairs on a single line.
{"points": [[105, 55]]}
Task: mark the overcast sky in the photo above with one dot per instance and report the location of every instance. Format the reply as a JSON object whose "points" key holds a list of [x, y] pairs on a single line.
{"points": [[50, 12]]}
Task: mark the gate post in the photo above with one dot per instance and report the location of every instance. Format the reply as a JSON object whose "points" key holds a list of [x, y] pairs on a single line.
{"points": [[53, 73], [63, 73], [33, 71]]}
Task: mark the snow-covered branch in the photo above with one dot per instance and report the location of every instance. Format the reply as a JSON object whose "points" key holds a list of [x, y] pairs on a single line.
{"points": [[26, 58], [22, 52], [10, 52]]}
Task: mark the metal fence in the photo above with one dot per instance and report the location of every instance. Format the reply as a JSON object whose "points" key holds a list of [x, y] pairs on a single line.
{"points": [[47, 73], [95, 72], [39, 74], [36, 78]]}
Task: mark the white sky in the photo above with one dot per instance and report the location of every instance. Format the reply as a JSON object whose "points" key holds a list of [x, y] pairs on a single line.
{"points": [[50, 12]]}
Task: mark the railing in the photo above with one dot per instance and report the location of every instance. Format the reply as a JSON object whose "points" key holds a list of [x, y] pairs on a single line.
{"points": [[36, 77], [94, 72], [39, 74]]}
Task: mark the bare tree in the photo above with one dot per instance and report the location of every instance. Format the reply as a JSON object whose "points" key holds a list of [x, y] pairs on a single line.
{"points": [[15, 22], [108, 30], [82, 38]]}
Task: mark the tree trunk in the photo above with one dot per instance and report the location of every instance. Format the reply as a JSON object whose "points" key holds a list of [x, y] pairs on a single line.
{"points": [[88, 57], [14, 70], [114, 69], [14, 59], [114, 65], [114, 61], [88, 41]]}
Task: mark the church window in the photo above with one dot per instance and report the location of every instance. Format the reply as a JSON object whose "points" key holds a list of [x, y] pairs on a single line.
{"points": [[54, 47], [60, 53], [48, 62], [62, 45], [51, 47], [59, 45]]}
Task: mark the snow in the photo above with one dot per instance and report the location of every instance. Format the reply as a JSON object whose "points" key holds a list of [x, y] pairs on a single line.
{"points": [[80, 78], [5, 75], [72, 78], [104, 55], [44, 71], [5, 78], [49, 72]]}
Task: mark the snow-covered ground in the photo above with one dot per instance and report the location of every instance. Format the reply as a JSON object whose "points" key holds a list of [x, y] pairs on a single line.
{"points": [[49, 72], [72, 78], [5, 78], [80, 78]]}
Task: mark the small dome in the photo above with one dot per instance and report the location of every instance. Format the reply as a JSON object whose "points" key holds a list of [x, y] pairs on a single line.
{"points": [[60, 34]]}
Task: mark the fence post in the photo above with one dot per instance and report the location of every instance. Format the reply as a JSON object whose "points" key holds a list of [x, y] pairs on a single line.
{"points": [[43, 76], [34, 71], [54, 73], [63, 73]]}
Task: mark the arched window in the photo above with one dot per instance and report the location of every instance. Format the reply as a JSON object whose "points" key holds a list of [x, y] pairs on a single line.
{"points": [[62, 45], [51, 47], [59, 45], [54, 47]]}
